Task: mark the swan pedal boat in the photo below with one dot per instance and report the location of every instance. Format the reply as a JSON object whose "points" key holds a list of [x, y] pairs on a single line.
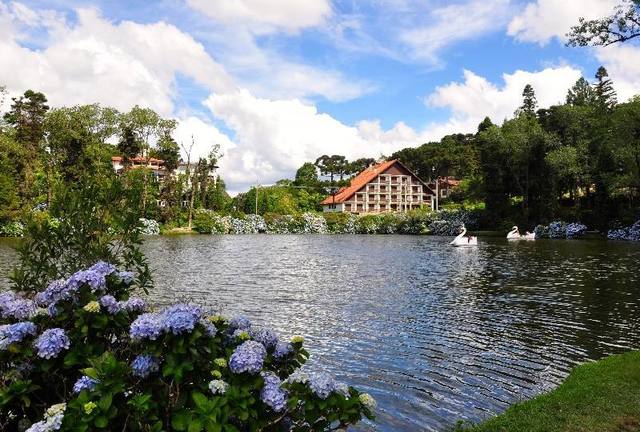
{"points": [[462, 241], [514, 234]]}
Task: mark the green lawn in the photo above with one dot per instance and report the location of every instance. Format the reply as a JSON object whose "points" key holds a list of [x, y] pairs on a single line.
{"points": [[596, 397]]}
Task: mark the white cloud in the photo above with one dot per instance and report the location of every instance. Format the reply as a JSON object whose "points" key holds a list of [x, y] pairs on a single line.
{"points": [[470, 101], [266, 16], [454, 23], [623, 65], [97, 61], [275, 137], [542, 20]]}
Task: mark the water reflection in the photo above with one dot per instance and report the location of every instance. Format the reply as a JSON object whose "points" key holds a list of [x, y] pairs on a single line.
{"points": [[435, 333]]}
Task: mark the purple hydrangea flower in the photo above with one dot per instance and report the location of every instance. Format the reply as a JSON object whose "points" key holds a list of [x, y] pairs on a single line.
{"points": [[146, 326], [240, 322], [265, 336], [248, 357], [283, 349], [14, 306], [85, 383], [322, 384], [126, 277], [144, 365], [110, 303], [181, 318], [272, 394], [134, 304], [51, 343], [15, 333]]}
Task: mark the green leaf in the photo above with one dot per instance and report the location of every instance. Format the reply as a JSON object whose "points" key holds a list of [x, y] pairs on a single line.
{"points": [[195, 426], [180, 420], [105, 402], [200, 400], [101, 422]]}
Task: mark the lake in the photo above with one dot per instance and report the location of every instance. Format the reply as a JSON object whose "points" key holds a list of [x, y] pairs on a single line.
{"points": [[434, 333]]}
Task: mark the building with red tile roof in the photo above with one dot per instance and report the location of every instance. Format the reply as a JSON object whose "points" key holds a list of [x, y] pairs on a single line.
{"points": [[383, 187]]}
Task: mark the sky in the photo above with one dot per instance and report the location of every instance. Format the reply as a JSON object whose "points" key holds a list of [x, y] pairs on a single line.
{"points": [[281, 82]]}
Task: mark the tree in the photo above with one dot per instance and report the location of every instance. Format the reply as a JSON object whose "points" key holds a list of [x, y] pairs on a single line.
{"points": [[206, 166], [307, 175], [191, 180], [129, 145], [359, 165], [485, 124], [168, 150], [333, 166], [581, 94], [622, 25], [605, 95], [529, 102], [26, 116]]}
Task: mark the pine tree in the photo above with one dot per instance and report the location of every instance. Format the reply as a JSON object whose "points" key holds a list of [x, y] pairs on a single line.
{"points": [[485, 124], [529, 102], [581, 94], [605, 95]]}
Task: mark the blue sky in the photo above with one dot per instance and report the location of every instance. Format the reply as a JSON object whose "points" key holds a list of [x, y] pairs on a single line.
{"points": [[280, 82]]}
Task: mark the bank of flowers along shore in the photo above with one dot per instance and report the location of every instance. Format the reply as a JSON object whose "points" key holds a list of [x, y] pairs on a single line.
{"points": [[446, 222], [86, 355]]}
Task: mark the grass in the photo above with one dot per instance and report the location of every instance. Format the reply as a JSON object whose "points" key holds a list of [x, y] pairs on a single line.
{"points": [[596, 397]]}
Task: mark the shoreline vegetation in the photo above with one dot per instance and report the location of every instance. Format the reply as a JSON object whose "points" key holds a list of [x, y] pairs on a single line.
{"points": [[601, 396]]}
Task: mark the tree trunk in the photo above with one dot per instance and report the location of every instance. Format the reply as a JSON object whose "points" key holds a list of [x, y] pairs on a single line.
{"points": [[193, 196]]}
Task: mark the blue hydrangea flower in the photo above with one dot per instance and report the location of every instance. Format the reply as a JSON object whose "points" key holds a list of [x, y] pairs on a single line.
{"points": [[52, 310], [209, 328], [298, 376], [52, 420], [14, 306], [56, 291], [52, 342], [146, 326], [272, 394], [15, 333], [134, 304], [144, 365], [248, 357], [95, 276], [322, 384], [181, 318], [126, 277], [283, 349], [265, 336], [85, 383], [343, 389], [7, 296], [110, 303], [240, 322]]}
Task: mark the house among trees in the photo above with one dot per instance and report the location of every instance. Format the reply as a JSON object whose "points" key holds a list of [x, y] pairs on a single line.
{"points": [[382, 187], [158, 169]]}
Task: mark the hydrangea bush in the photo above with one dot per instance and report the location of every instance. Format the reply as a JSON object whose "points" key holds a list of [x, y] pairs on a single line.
{"points": [[445, 222], [149, 227], [85, 355], [631, 233], [560, 229]]}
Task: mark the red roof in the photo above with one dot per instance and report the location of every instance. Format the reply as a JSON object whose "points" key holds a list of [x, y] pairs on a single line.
{"points": [[139, 159], [364, 177]]}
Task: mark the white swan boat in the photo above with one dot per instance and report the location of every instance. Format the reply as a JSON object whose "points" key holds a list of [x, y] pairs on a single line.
{"points": [[461, 240], [514, 234]]}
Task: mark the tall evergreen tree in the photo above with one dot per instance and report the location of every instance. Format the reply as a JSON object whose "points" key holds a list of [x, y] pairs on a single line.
{"points": [[529, 102], [581, 94], [604, 93]]}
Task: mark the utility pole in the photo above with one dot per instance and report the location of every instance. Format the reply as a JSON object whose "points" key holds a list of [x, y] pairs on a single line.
{"points": [[256, 212]]}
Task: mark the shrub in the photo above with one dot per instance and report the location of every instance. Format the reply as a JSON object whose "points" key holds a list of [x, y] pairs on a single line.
{"points": [[560, 229], [208, 222], [12, 229], [84, 355]]}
